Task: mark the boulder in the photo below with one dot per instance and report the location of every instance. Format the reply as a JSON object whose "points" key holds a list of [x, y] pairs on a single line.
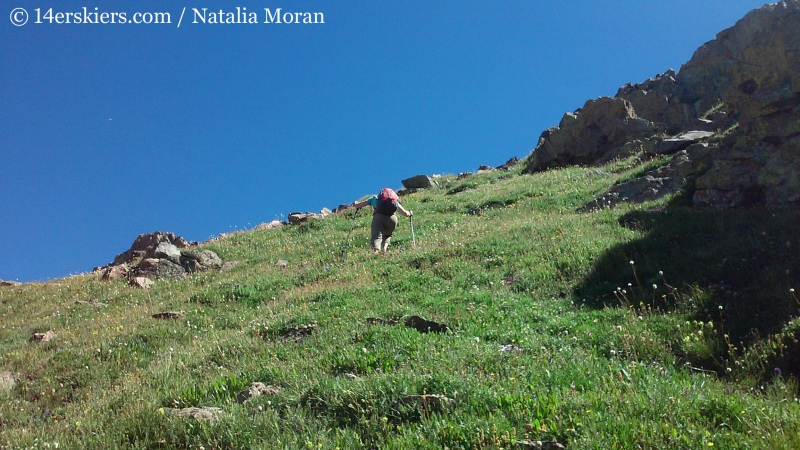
{"points": [[418, 182], [296, 218], [325, 212], [115, 272], [586, 136], [463, 175], [484, 168], [141, 282], [164, 250], [160, 269], [200, 260]]}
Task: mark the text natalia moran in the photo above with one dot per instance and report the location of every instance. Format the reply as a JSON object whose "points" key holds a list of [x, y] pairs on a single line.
{"points": [[242, 15]]}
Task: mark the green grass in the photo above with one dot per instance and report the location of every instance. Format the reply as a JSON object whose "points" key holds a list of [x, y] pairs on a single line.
{"points": [[677, 350]]}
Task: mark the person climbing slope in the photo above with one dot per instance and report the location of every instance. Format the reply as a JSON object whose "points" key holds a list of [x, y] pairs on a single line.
{"points": [[384, 217]]}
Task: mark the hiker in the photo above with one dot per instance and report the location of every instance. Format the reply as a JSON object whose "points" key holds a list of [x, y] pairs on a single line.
{"points": [[384, 219]]}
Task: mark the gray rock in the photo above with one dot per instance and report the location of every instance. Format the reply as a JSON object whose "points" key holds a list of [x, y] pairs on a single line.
{"points": [[147, 242], [269, 226], [160, 269], [282, 263], [676, 144], [325, 212], [418, 182], [10, 283], [111, 273], [165, 250]]}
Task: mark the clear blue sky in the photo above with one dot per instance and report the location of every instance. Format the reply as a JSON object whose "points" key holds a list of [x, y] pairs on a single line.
{"points": [[109, 131]]}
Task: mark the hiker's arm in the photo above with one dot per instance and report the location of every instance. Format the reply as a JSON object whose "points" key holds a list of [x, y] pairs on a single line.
{"points": [[403, 211], [359, 205]]}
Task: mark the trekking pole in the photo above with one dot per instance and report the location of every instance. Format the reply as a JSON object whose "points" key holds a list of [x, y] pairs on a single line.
{"points": [[413, 238], [344, 247]]}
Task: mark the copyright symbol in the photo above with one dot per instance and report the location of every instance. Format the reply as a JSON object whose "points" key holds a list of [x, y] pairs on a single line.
{"points": [[19, 17]]}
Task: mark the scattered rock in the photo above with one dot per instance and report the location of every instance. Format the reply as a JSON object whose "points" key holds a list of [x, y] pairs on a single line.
{"points": [[43, 337], [428, 401], [352, 376], [10, 283], [229, 265], [539, 445], [463, 175], [173, 315], [254, 390], [141, 282], [418, 182], [282, 263], [115, 272], [651, 186], [93, 303], [299, 332], [425, 326], [201, 413], [485, 168], [325, 212], [510, 280], [343, 207], [7, 381], [379, 321]]}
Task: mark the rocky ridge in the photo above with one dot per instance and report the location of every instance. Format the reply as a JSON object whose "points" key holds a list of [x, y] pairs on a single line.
{"points": [[739, 95]]}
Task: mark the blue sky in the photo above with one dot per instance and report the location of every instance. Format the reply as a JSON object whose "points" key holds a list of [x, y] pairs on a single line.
{"points": [[109, 131]]}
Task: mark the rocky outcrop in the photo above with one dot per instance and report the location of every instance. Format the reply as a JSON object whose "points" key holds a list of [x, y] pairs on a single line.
{"points": [[740, 92], [147, 243], [587, 135]]}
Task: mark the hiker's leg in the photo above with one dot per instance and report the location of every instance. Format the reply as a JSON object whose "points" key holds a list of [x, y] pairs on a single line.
{"points": [[388, 228], [377, 230]]}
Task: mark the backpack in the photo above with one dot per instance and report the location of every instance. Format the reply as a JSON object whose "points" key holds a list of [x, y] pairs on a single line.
{"points": [[387, 202]]}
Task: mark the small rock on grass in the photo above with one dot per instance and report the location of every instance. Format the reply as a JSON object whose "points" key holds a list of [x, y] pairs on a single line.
{"points": [[282, 263], [141, 282], [254, 390], [43, 337], [201, 413], [426, 326], [169, 315], [7, 381], [10, 283]]}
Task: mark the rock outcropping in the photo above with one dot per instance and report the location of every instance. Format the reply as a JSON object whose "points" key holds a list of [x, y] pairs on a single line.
{"points": [[742, 89]]}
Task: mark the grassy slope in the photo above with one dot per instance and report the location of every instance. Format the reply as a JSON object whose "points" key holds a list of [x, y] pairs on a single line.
{"points": [[679, 360]]}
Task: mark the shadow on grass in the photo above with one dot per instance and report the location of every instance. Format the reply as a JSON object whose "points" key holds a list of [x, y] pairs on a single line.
{"points": [[733, 267]]}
